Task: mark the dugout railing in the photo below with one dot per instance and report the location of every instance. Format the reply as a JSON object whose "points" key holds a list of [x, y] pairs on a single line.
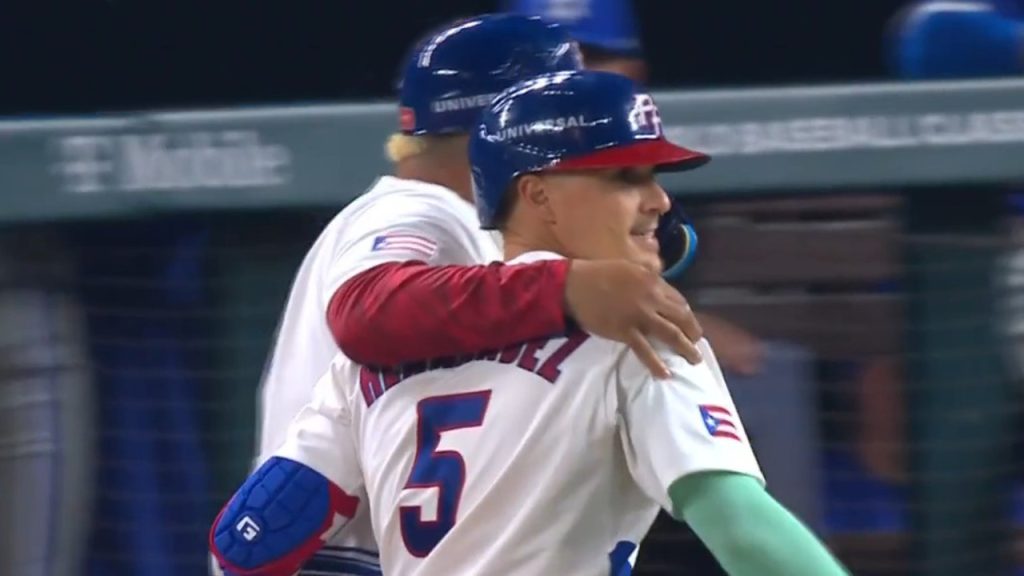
{"points": [[855, 222]]}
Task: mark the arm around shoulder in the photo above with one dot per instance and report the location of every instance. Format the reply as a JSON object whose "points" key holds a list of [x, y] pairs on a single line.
{"points": [[407, 311]]}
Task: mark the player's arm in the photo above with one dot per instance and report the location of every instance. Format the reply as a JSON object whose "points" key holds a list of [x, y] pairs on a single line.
{"points": [[687, 448], [410, 303], [748, 531], [956, 40], [291, 505]]}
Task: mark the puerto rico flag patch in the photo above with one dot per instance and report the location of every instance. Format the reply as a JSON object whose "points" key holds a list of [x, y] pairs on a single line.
{"points": [[405, 242], [719, 422]]}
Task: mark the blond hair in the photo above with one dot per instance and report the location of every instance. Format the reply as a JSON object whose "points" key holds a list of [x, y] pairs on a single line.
{"points": [[401, 146]]}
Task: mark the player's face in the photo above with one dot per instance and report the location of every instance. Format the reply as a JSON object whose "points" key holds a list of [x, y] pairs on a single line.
{"points": [[610, 213]]}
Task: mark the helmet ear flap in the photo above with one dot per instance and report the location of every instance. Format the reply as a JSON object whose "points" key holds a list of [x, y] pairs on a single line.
{"points": [[678, 242]]}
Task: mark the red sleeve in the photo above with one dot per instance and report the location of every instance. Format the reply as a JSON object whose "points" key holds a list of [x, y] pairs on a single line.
{"points": [[407, 311]]}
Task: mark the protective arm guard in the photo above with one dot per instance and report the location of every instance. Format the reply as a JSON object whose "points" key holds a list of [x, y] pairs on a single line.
{"points": [[748, 531], [283, 513]]}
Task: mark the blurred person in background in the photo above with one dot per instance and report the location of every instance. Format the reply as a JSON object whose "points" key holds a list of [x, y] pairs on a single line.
{"points": [[930, 40], [943, 39], [152, 479], [47, 424], [606, 31]]}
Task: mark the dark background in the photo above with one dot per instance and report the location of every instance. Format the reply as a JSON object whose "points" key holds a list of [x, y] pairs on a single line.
{"points": [[80, 56]]}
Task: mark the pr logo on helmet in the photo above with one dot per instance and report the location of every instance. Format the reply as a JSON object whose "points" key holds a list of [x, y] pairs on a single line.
{"points": [[644, 118]]}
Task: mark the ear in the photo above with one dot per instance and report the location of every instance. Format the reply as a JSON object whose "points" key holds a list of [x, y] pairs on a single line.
{"points": [[534, 193]]}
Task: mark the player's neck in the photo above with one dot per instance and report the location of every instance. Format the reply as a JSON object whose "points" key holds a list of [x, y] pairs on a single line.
{"points": [[436, 171], [515, 243]]}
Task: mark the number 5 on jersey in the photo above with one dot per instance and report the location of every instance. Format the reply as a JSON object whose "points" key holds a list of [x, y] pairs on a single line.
{"points": [[444, 470]]}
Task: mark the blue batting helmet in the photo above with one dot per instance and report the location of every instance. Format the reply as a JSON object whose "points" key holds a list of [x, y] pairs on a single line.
{"points": [[456, 71], [577, 120]]}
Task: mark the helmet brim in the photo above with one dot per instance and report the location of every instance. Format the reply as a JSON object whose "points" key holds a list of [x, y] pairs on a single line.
{"points": [[660, 153]]}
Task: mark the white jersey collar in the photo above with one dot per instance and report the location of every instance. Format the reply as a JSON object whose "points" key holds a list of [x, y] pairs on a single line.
{"points": [[535, 256], [394, 182]]}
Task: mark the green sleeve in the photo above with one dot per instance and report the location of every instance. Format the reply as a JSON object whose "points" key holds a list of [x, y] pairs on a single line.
{"points": [[748, 531]]}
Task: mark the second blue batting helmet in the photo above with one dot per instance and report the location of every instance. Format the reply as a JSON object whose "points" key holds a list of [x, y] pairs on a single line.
{"points": [[456, 71], [571, 121]]}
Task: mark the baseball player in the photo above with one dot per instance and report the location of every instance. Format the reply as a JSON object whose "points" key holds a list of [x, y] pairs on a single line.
{"points": [[551, 456], [609, 39], [406, 258]]}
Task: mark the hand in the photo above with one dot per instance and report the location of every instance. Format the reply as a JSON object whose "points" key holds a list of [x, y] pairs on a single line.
{"points": [[628, 303], [737, 350]]}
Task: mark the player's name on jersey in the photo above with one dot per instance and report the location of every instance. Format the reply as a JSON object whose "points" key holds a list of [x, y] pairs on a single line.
{"points": [[541, 357]]}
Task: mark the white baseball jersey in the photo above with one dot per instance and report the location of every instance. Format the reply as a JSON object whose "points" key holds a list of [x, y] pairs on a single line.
{"points": [[542, 458], [396, 220]]}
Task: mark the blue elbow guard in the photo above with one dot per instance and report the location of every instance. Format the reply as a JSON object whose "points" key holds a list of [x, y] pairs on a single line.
{"points": [[281, 516]]}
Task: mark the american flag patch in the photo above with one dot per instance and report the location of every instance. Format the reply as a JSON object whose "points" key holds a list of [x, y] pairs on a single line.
{"points": [[719, 422], [404, 242]]}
